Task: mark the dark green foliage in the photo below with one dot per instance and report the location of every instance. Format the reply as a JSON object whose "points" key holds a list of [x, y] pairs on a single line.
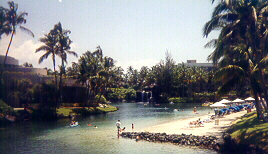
{"points": [[44, 114], [5, 109], [45, 95], [119, 94]]}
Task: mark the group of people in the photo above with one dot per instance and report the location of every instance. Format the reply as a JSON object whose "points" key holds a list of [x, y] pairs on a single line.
{"points": [[197, 123], [118, 126], [74, 123]]}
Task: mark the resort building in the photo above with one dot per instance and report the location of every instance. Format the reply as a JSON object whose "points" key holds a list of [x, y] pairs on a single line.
{"points": [[12, 65], [12, 69], [206, 66], [71, 91]]}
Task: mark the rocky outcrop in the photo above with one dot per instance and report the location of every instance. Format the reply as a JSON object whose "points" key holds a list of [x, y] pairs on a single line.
{"points": [[209, 142]]}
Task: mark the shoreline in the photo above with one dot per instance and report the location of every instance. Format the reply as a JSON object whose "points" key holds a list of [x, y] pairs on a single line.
{"points": [[182, 126]]}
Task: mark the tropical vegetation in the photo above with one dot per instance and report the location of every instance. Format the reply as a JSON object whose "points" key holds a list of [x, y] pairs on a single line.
{"points": [[240, 50], [99, 80], [247, 135]]}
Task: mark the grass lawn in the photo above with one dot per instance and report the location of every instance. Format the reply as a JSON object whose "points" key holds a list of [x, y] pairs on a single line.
{"points": [[250, 130], [64, 111], [108, 108], [67, 111]]}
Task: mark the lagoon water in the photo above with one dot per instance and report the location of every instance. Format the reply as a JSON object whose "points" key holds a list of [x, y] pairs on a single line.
{"points": [[58, 137]]}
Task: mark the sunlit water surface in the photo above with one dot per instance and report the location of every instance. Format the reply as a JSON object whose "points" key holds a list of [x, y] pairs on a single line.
{"points": [[58, 137]]}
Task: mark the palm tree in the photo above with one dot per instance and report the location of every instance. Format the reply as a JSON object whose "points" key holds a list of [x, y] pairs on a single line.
{"points": [[49, 47], [241, 46], [63, 48], [12, 20]]}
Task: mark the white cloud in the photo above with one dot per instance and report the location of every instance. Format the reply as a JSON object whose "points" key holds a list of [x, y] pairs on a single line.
{"points": [[24, 51]]}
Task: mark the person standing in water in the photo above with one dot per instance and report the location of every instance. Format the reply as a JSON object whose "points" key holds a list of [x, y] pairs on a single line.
{"points": [[195, 110], [118, 123]]}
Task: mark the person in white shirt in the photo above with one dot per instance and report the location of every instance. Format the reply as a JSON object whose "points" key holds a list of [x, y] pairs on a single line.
{"points": [[118, 123]]}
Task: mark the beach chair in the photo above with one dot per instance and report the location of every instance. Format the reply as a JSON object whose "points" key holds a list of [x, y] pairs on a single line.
{"points": [[207, 121]]}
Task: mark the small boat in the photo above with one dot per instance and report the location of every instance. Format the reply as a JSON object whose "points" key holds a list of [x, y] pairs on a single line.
{"points": [[74, 124]]}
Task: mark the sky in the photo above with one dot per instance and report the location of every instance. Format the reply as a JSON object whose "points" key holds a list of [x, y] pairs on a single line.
{"points": [[133, 32]]}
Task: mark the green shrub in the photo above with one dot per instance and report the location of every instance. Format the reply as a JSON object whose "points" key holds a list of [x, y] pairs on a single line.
{"points": [[6, 109]]}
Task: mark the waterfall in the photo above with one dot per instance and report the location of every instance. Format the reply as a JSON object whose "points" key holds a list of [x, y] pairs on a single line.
{"points": [[142, 95]]}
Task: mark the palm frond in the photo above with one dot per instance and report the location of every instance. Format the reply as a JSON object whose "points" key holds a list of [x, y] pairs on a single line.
{"points": [[27, 31], [219, 9], [72, 53], [43, 57], [211, 44], [209, 26], [264, 62], [43, 47], [228, 86], [229, 72]]}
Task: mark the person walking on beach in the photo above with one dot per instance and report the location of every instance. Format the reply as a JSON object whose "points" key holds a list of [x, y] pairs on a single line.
{"points": [[118, 123], [132, 126]]}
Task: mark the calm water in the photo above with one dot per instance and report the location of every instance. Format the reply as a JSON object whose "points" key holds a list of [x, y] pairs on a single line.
{"points": [[58, 137]]}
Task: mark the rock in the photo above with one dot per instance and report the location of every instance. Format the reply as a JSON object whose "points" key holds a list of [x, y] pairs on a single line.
{"points": [[209, 142]]}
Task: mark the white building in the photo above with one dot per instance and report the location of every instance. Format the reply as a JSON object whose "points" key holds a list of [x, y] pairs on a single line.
{"points": [[206, 66]]}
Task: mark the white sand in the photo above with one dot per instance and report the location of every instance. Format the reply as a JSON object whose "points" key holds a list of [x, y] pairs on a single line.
{"points": [[182, 126]]}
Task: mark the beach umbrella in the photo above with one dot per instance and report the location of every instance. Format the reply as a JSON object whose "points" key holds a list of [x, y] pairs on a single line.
{"points": [[218, 104], [249, 99], [225, 101], [238, 100]]}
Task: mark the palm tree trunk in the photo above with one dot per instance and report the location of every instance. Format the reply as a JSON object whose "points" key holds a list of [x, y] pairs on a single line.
{"points": [[257, 106], [11, 38], [54, 67], [56, 80], [60, 82], [8, 47], [2, 67]]}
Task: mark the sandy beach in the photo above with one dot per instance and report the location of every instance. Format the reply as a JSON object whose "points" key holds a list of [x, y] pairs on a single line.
{"points": [[182, 126]]}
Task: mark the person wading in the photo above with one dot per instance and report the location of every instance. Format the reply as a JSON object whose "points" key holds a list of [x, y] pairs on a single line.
{"points": [[118, 123]]}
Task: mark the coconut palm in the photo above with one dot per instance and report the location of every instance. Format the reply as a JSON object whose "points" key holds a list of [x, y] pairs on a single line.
{"points": [[63, 48], [240, 49], [12, 21], [49, 47]]}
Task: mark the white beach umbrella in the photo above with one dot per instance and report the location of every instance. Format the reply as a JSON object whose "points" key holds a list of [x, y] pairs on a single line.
{"points": [[218, 104], [238, 100], [249, 99], [225, 101]]}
